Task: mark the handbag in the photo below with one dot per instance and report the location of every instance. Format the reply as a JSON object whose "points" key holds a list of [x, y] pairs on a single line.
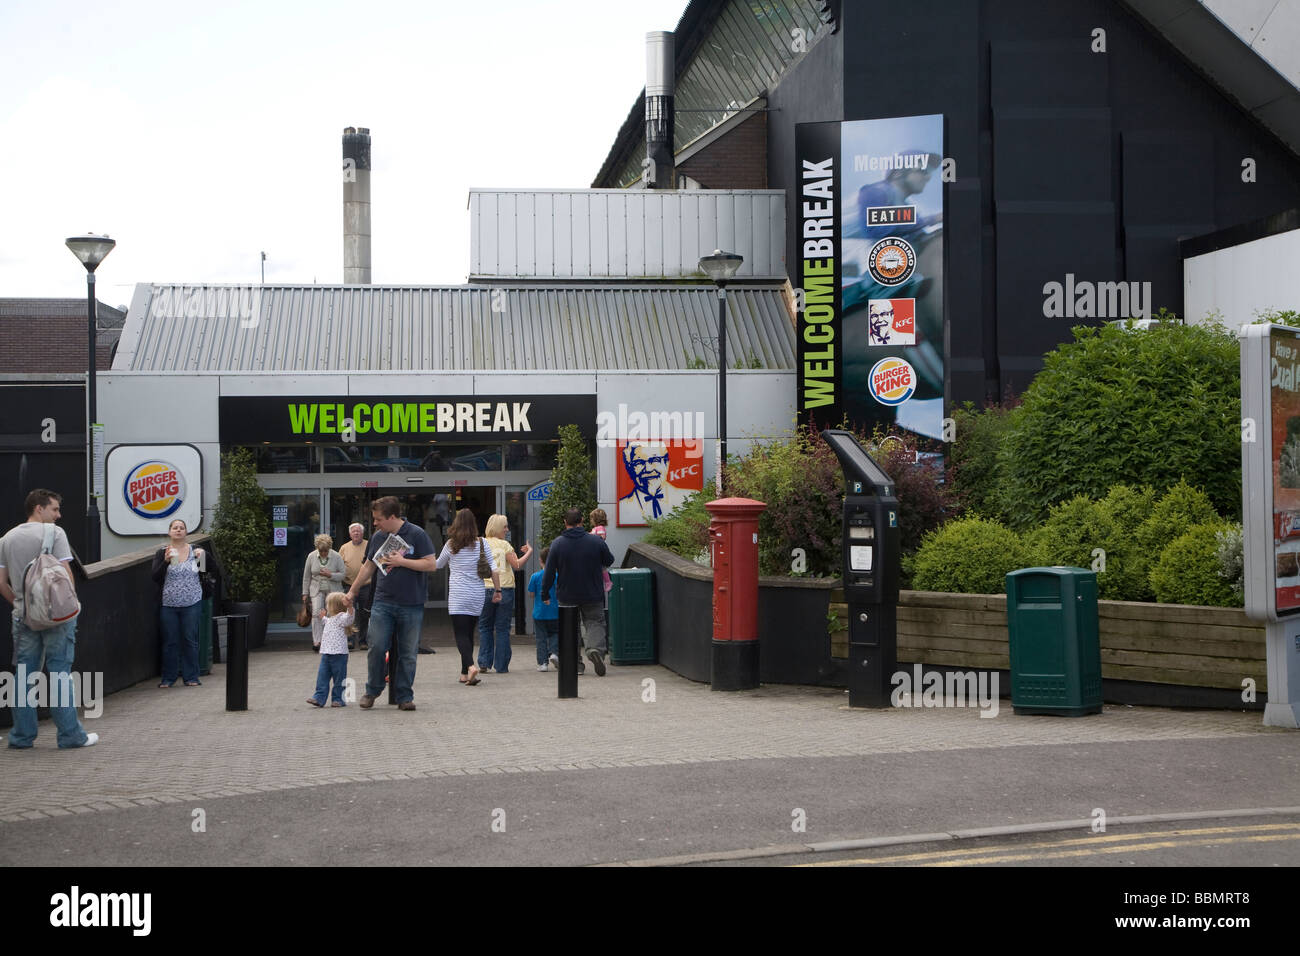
{"points": [[484, 569], [304, 615]]}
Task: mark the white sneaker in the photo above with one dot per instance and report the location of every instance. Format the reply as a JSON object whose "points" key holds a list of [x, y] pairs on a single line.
{"points": [[91, 740], [542, 668], [555, 661]]}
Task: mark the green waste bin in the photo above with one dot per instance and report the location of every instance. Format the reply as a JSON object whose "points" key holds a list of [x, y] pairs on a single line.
{"points": [[631, 616], [1053, 636], [205, 637]]}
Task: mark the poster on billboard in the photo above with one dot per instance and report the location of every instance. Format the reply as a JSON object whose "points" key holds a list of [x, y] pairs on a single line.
{"points": [[150, 486], [654, 477], [871, 266]]}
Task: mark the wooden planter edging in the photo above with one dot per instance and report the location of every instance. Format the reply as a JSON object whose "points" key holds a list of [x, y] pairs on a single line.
{"points": [[1209, 647]]}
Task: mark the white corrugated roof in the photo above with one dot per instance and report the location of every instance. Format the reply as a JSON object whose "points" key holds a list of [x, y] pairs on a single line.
{"points": [[458, 328]]}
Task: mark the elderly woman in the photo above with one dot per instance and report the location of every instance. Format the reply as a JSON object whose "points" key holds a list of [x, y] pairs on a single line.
{"points": [[323, 573], [176, 567], [495, 622]]}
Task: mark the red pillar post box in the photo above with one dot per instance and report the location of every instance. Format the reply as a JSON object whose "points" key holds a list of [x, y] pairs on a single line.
{"points": [[733, 542]]}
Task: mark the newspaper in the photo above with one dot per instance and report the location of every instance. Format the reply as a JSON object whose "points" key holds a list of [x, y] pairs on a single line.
{"points": [[394, 545]]}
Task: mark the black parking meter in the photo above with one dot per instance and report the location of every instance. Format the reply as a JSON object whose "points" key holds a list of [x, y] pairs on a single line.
{"points": [[870, 567]]}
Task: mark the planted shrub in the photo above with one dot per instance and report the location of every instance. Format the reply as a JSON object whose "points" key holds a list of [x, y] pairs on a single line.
{"points": [[1188, 571], [1077, 528], [973, 456], [970, 555], [1178, 509], [1124, 405], [685, 531]]}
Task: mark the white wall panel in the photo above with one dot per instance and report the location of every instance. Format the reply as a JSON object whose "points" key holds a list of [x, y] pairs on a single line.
{"points": [[624, 233], [1243, 280]]}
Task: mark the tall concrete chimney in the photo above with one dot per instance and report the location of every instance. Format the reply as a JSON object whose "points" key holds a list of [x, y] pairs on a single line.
{"points": [[356, 206], [659, 57]]}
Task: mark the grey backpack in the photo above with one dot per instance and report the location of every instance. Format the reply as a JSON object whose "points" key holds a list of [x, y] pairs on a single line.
{"points": [[49, 597]]}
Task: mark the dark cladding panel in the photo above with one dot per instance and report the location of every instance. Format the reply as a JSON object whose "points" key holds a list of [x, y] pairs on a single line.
{"points": [[1151, 255], [1061, 74], [1052, 155], [962, 304], [1036, 246], [1168, 178]]}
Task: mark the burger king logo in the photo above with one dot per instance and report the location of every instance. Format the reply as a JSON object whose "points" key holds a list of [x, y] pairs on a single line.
{"points": [[891, 261], [154, 489], [893, 381]]}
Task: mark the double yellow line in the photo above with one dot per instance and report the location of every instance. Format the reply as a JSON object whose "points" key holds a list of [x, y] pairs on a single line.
{"points": [[1083, 846]]}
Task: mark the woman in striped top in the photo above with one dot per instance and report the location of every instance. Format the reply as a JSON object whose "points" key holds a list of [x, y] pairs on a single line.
{"points": [[465, 591]]}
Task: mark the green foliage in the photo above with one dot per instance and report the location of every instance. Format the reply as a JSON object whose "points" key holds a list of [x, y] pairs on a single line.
{"points": [[1077, 528], [749, 361], [1188, 569], [1280, 316], [1177, 510], [973, 456], [1124, 405], [696, 361], [970, 555], [1230, 554], [685, 531], [575, 485], [241, 530]]}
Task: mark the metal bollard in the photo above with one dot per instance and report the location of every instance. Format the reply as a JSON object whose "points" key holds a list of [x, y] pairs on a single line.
{"points": [[568, 679], [236, 626]]}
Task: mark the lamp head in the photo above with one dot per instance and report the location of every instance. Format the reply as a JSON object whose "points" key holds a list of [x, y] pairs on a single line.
{"points": [[721, 266], [91, 249]]}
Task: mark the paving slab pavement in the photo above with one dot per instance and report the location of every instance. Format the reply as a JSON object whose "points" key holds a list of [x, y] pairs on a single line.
{"points": [[695, 769]]}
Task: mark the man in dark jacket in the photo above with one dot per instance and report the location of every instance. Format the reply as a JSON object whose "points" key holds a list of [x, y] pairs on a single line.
{"points": [[578, 558]]}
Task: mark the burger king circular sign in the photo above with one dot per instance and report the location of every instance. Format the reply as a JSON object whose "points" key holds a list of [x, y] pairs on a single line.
{"points": [[892, 381], [154, 489]]}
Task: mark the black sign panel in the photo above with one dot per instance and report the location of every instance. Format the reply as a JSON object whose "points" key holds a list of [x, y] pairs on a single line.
{"points": [[360, 419]]}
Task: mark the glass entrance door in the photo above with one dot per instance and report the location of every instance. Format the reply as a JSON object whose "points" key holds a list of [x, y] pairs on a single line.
{"points": [[296, 520]]}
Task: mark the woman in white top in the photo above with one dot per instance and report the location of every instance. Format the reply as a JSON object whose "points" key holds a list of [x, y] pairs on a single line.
{"points": [[176, 566], [322, 574], [494, 625], [465, 591]]}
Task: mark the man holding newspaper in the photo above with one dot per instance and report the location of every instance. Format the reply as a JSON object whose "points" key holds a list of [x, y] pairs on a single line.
{"points": [[400, 554]]}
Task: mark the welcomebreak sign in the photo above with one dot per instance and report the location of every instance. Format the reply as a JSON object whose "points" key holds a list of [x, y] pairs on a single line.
{"points": [[869, 221]]}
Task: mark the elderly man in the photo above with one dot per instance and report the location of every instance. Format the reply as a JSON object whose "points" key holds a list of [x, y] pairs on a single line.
{"points": [[354, 555]]}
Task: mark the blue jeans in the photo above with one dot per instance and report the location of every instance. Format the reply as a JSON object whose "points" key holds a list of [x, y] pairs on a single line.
{"points": [[332, 666], [56, 647], [494, 632], [180, 640], [548, 639], [404, 620]]}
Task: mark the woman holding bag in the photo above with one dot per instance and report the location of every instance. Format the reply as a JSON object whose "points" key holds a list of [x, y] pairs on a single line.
{"points": [[322, 574], [494, 626], [470, 562]]}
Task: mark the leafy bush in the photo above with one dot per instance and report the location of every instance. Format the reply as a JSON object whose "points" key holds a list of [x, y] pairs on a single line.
{"points": [[970, 555], [575, 485], [241, 530], [1177, 510], [1076, 528], [1122, 405], [973, 456], [1188, 569], [926, 497], [1231, 557], [685, 531]]}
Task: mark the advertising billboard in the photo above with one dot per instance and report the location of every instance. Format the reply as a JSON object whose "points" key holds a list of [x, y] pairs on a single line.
{"points": [[150, 486], [871, 268]]}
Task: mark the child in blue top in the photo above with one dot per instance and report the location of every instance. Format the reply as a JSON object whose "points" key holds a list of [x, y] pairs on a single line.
{"points": [[546, 619]]}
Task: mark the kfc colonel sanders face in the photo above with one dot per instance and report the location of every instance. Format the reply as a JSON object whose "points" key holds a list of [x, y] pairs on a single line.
{"points": [[647, 465]]}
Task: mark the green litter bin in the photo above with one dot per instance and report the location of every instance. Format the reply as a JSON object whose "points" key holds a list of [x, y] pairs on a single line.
{"points": [[1054, 643], [205, 637], [631, 616]]}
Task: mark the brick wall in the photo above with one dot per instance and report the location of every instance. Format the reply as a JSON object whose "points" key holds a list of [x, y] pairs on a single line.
{"points": [[736, 160], [49, 335]]}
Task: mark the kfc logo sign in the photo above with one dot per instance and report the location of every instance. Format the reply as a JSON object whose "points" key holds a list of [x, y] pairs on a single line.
{"points": [[676, 475]]}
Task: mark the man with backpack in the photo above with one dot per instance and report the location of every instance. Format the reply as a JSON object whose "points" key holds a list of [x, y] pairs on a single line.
{"points": [[43, 633]]}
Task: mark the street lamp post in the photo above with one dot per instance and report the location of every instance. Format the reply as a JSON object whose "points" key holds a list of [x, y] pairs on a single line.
{"points": [[720, 267], [91, 249]]}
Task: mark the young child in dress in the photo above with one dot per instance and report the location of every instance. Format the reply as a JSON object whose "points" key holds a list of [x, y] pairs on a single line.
{"points": [[546, 620], [598, 520], [333, 651]]}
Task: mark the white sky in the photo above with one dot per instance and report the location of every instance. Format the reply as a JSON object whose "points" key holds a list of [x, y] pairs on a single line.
{"points": [[199, 134]]}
